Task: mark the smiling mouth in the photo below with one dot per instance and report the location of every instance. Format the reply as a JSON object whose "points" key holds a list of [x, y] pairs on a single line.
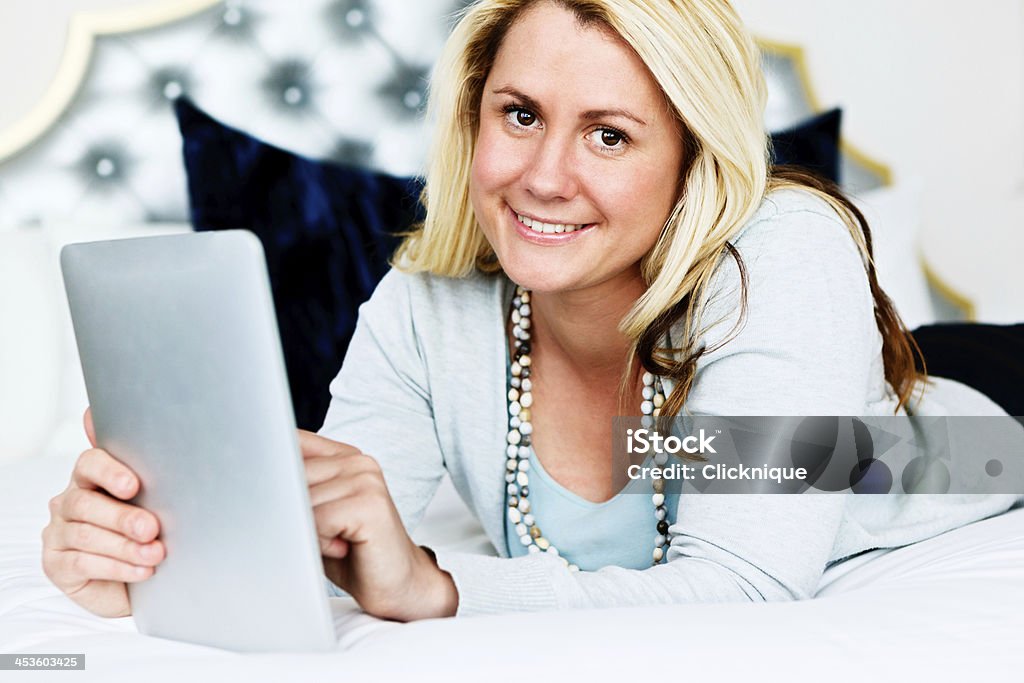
{"points": [[549, 228]]}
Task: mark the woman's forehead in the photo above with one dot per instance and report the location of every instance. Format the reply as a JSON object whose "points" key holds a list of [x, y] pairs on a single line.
{"points": [[548, 54]]}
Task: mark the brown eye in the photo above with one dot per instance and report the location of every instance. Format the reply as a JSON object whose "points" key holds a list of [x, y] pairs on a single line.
{"points": [[525, 118], [611, 138]]}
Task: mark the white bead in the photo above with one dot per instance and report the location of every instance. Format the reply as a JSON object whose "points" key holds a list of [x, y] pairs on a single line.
{"points": [[526, 540], [524, 310], [647, 422], [514, 436], [515, 422], [514, 407], [659, 541], [517, 302], [514, 515], [648, 379], [511, 451], [521, 529], [658, 554], [659, 400], [516, 317], [512, 489], [528, 519], [524, 323], [661, 457], [526, 428], [533, 548], [523, 479], [656, 412], [545, 544], [514, 381], [646, 407], [517, 369], [659, 514], [510, 477], [658, 499], [648, 394], [524, 465], [525, 361], [573, 568], [524, 504], [510, 464], [525, 296], [524, 451], [527, 384], [513, 394], [526, 400]]}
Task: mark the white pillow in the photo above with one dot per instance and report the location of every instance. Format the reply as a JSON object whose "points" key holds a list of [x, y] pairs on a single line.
{"points": [[894, 216], [30, 349]]}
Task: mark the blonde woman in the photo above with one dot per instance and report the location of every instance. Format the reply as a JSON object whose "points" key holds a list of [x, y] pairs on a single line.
{"points": [[604, 235]]}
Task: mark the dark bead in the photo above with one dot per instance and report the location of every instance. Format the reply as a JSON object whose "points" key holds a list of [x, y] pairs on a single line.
{"points": [[663, 527], [525, 441], [524, 347], [525, 491], [525, 373]]}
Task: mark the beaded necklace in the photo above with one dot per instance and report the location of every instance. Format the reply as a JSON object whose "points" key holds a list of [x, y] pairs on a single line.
{"points": [[520, 429]]}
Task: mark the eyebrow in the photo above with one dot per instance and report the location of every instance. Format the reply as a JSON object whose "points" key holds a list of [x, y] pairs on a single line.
{"points": [[587, 115]]}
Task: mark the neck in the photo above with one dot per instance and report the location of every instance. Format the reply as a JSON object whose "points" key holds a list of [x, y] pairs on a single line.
{"points": [[581, 327]]}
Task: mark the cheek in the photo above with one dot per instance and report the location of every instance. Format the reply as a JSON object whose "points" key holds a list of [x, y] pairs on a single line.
{"points": [[495, 163]]}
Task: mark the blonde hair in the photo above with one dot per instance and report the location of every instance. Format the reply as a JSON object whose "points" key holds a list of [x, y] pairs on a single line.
{"points": [[709, 69]]}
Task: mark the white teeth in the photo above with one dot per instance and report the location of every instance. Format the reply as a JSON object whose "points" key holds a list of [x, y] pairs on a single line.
{"points": [[547, 228]]}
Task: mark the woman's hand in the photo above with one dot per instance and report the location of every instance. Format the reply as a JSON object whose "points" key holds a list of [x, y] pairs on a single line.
{"points": [[95, 544], [366, 550]]}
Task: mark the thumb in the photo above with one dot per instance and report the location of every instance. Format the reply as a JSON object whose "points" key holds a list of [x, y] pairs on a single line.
{"points": [[90, 430]]}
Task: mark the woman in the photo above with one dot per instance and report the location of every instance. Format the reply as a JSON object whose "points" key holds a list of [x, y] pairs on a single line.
{"points": [[603, 236]]}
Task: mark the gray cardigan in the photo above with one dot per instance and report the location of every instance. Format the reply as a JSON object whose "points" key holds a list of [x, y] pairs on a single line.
{"points": [[423, 390]]}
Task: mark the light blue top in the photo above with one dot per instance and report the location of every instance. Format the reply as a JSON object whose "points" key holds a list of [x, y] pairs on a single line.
{"points": [[619, 531]]}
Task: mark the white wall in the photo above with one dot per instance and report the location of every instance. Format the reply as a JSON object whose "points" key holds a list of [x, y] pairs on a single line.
{"points": [[933, 88], [936, 90], [32, 35]]}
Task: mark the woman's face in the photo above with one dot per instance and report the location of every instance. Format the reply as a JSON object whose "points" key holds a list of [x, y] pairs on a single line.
{"points": [[578, 156]]}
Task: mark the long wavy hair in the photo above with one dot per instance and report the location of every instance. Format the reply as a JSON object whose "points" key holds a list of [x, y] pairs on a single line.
{"points": [[709, 69]]}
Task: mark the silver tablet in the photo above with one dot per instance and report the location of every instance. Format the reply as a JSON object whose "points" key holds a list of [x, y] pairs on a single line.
{"points": [[185, 375]]}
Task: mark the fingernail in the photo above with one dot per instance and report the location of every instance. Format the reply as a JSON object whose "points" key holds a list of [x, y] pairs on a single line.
{"points": [[140, 527], [124, 483], [149, 551], [141, 571]]}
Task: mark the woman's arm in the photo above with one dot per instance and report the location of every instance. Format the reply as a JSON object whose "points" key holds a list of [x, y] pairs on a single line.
{"points": [[806, 349]]}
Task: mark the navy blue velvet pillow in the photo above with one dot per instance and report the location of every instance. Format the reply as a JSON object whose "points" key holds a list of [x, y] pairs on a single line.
{"points": [[327, 229], [812, 144]]}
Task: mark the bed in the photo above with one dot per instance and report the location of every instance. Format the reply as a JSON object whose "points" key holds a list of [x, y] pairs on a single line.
{"points": [[947, 608]]}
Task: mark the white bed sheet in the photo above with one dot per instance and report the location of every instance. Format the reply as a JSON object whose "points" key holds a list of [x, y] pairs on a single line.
{"points": [[945, 609]]}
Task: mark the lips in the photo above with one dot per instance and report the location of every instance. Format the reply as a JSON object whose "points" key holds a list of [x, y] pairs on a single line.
{"points": [[541, 232]]}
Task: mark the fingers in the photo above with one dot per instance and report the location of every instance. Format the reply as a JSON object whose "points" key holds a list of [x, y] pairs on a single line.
{"points": [[322, 468], [90, 429], [97, 469], [76, 567], [95, 540], [92, 507], [334, 547], [313, 445]]}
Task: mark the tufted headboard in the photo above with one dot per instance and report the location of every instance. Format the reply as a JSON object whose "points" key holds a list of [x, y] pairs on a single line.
{"points": [[336, 79]]}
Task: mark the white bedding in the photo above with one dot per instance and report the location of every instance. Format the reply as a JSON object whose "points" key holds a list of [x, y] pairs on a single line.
{"points": [[948, 608]]}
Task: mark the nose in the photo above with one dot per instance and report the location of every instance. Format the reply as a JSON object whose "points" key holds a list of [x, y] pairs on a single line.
{"points": [[551, 172]]}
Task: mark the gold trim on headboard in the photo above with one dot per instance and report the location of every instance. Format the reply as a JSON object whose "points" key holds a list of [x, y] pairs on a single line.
{"points": [[83, 30], [796, 55]]}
